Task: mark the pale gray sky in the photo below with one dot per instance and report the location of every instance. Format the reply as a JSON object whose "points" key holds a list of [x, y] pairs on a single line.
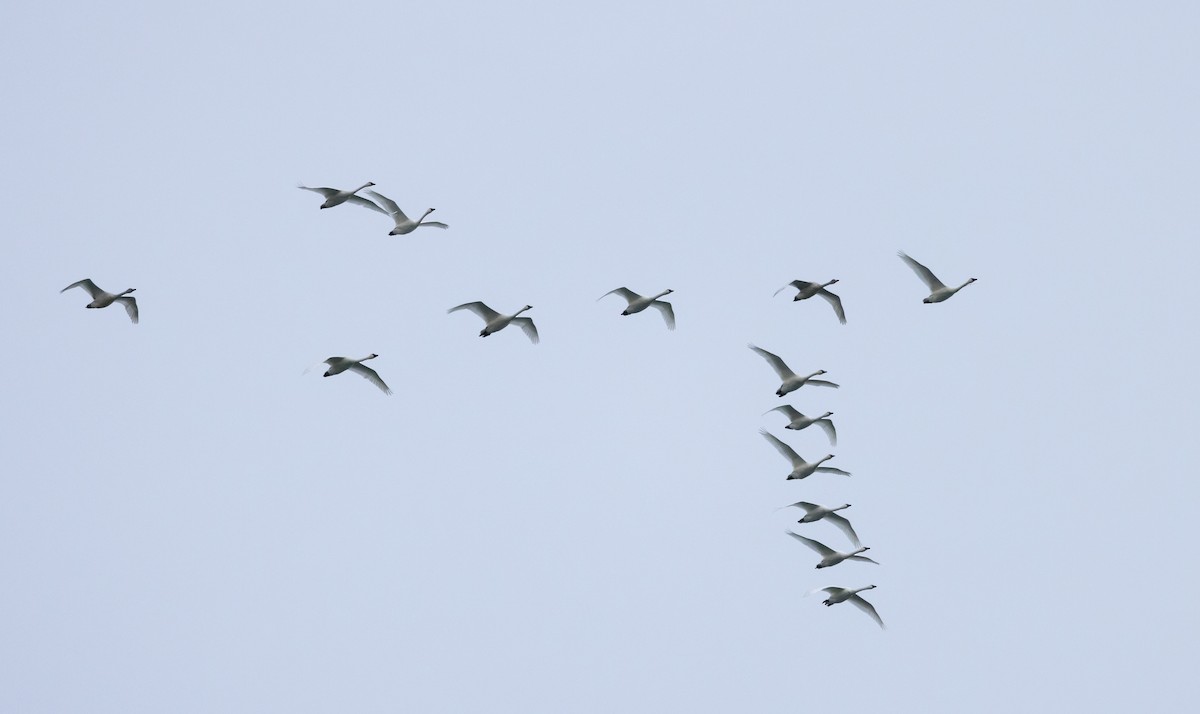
{"points": [[187, 524]]}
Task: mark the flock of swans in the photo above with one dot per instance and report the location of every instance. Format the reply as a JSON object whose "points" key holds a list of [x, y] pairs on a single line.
{"points": [[635, 303]]}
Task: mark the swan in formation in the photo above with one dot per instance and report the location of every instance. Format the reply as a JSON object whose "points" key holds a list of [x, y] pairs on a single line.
{"points": [[336, 197], [337, 365], [791, 381], [496, 322], [100, 298], [814, 513], [808, 290], [938, 291], [800, 467], [829, 556], [404, 224], [797, 421], [837, 595], [637, 303]]}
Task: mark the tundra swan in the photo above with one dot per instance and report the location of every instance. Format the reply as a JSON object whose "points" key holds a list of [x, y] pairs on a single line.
{"points": [[814, 513], [336, 197], [337, 365], [829, 556], [637, 303], [800, 467], [101, 298], [496, 322], [837, 595], [797, 421], [791, 381], [404, 224], [938, 292], [808, 290]]}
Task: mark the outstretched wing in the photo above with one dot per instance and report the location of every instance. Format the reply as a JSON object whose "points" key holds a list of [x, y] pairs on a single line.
{"points": [[667, 312], [818, 546], [827, 425], [435, 224], [324, 191], [863, 558], [626, 293], [777, 364], [798, 284], [782, 448], [867, 608], [130, 307], [389, 207], [86, 284], [365, 203], [837, 304], [371, 375], [808, 507], [832, 470], [528, 328], [822, 383], [923, 273], [788, 410], [841, 522], [487, 313]]}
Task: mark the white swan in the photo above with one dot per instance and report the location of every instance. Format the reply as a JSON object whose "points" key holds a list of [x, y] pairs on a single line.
{"points": [[829, 556], [337, 365], [496, 322], [814, 513], [336, 197], [101, 298], [837, 595], [808, 290], [797, 421], [637, 303], [800, 467], [404, 224], [938, 292], [791, 381]]}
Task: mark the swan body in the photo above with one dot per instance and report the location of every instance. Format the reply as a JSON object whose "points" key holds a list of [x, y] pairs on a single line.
{"points": [[837, 595], [800, 467], [337, 365], [100, 298], [404, 224], [791, 380], [829, 556], [814, 513], [938, 292], [637, 303], [336, 197], [494, 321], [808, 290], [797, 421]]}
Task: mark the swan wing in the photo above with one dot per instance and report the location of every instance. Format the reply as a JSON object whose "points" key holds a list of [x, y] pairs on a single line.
{"points": [[837, 304], [667, 312], [487, 313], [130, 307], [788, 410], [842, 523], [863, 558], [370, 375], [816, 545], [626, 293], [528, 328], [827, 425], [832, 470], [87, 285], [787, 451], [777, 364], [867, 608], [435, 224], [923, 273], [798, 284], [808, 507], [365, 203], [822, 383], [390, 207]]}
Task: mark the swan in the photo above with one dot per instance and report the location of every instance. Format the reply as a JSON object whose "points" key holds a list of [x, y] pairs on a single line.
{"points": [[814, 513], [337, 365], [404, 224], [837, 595], [496, 322], [336, 197], [791, 381], [938, 292], [808, 290], [829, 556], [101, 298], [798, 421], [800, 467], [637, 303]]}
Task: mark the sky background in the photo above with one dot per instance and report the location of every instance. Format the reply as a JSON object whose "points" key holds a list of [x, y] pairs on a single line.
{"points": [[188, 524]]}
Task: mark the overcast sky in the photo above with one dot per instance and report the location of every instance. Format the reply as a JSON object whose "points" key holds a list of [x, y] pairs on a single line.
{"points": [[189, 524]]}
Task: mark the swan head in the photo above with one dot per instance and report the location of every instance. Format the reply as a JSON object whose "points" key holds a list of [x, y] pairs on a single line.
{"points": [[820, 371], [831, 282], [668, 291], [825, 415], [128, 291]]}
